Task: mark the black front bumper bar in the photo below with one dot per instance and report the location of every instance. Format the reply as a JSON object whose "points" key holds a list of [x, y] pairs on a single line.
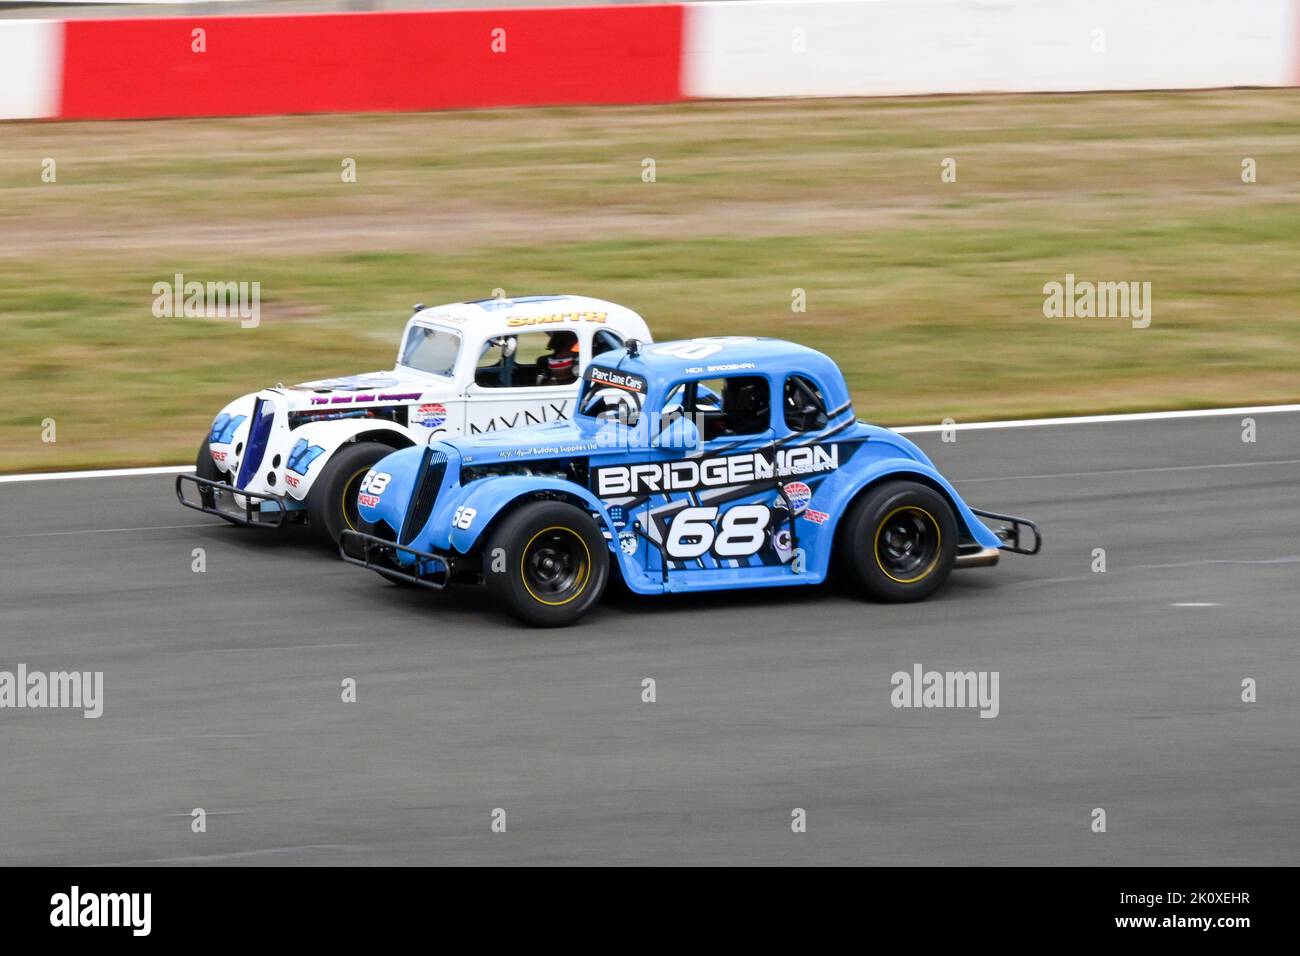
{"points": [[1013, 531], [251, 498], [376, 554]]}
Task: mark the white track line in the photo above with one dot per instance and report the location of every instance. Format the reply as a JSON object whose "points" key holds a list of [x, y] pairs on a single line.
{"points": [[236, 855], [904, 430], [1099, 419], [1128, 471], [60, 534], [105, 473]]}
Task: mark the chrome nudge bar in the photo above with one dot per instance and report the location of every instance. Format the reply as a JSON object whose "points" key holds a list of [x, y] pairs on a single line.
{"points": [[1012, 531], [376, 553], [219, 490]]}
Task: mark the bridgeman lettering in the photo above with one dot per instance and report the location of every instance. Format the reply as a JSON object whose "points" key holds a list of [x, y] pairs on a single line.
{"points": [[716, 472]]}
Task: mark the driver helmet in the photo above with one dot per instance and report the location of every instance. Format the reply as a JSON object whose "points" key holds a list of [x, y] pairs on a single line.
{"points": [[562, 363]]}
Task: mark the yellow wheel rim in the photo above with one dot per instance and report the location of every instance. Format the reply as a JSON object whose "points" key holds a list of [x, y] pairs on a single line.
{"points": [[584, 571], [343, 502], [938, 544]]}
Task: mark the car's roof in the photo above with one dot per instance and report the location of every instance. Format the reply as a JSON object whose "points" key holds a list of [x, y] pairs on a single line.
{"points": [[720, 354], [492, 315]]}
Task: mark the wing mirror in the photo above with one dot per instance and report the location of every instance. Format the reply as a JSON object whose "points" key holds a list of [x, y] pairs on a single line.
{"points": [[507, 344]]}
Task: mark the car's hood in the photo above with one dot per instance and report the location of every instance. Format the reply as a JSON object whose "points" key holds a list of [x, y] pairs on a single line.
{"points": [[369, 388], [581, 436]]}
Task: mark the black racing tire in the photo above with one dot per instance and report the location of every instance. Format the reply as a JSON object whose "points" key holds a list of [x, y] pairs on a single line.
{"points": [[898, 542], [205, 467], [332, 501], [393, 579], [553, 567]]}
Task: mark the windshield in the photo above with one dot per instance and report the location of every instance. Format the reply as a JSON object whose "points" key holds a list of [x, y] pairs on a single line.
{"points": [[431, 350], [612, 395]]}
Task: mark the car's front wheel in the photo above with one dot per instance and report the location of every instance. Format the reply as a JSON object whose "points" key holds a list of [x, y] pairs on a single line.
{"points": [[205, 467], [898, 542], [332, 501], [546, 563]]}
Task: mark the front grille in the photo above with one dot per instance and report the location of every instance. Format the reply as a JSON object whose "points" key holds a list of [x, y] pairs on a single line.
{"points": [[259, 433], [433, 466]]}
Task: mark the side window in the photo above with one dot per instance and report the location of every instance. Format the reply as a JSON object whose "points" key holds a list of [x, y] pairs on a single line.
{"points": [[746, 404], [528, 359], [805, 408], [605, 341], [494, 362], [722, 407]]}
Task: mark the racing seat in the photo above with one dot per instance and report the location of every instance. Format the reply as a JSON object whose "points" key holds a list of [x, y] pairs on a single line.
{"points": [[745, 408]]}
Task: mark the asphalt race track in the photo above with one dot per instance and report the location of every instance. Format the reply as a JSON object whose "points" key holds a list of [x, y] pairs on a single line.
{"points": [[222, 688]]}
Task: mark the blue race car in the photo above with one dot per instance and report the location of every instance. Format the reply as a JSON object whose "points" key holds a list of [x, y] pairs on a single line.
{"points": [[697, 465]]}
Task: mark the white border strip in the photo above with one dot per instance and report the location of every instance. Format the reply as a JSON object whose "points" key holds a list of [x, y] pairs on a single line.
{"points": [[905, 430], [1096, 419], [105, 473]]}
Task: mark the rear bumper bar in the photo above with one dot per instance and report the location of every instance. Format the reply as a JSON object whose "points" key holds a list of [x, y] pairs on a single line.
{"points": [[1014, 532], [219, 489], [376, 554]]}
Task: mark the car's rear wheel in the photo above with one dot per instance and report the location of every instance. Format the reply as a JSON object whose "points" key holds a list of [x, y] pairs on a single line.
{"points": [[898, 542], [546, 563], [205, 467], [332, 501]]}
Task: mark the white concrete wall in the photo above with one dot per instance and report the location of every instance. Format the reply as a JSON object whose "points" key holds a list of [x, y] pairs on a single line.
{"points": [[31, 55], [899, 47]]}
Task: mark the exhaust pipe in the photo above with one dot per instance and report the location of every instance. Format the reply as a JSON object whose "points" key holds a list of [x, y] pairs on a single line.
{"points": [[977, 557]]}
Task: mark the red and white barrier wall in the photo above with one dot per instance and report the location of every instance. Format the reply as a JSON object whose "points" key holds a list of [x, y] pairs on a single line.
{"points": [[31, 66], [654, 53], [904, 47]]}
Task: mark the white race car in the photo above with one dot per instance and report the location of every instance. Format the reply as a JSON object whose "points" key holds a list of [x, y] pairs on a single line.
{"points": [[299, 453]]}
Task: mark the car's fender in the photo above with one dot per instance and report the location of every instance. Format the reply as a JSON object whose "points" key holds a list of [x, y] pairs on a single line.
{"points": [[387, 500], [308, 448], [460, 518], [229, 427], [838, 491], [463, 513]]}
